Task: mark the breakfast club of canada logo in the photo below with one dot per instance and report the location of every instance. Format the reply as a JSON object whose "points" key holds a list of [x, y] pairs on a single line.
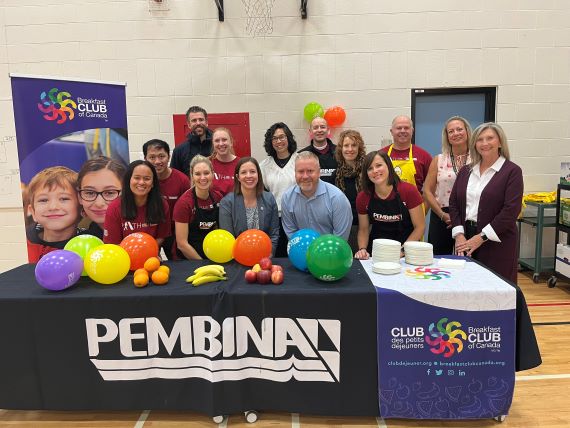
{"points": [[446, 338], [57, 105], [60, 107], [433, 274]]}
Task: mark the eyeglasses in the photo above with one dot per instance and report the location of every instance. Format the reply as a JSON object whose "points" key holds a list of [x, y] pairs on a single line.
{"points": [[152, 158], [281, 137], [91, 195]]}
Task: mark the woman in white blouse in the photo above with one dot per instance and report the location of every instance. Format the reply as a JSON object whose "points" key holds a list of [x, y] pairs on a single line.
{"points": [[485, 202], [279, 170]]}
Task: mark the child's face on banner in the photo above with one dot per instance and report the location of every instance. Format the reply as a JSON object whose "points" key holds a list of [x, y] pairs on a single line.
{"points": [[104, 182], [56, 209]]}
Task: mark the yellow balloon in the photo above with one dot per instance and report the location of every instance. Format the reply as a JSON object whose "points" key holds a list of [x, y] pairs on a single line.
{"points": [[107, 264], [218, 246]]}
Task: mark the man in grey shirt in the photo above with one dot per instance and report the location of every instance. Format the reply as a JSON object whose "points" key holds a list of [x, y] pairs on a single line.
{"points": [[313, 203]]}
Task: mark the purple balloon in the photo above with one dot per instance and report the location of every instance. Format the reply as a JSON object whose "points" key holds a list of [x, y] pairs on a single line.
{"points": [[59, 269]]}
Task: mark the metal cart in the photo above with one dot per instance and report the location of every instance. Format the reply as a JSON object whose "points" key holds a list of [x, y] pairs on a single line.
{"points": [[560, 227], [538, 264]]}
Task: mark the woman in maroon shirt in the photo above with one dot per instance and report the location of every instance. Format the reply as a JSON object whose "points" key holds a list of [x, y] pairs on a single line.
{"points": [[140, 208], [387, 207], [196, 212]]}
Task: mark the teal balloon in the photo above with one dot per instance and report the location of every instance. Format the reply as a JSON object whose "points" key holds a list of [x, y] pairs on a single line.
{"points": [[329, 258], [313, 110], [81, 245]]}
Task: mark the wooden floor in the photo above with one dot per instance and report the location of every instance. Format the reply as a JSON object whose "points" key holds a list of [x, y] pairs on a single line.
{"points": [[541, 396]]}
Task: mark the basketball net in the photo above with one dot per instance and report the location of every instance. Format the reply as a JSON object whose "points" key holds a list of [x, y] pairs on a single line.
{"points": [[259, 22]]}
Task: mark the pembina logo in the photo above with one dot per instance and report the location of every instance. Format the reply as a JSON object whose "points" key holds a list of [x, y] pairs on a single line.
{"points": [[446, 339], [57, 105], [279, 349]]}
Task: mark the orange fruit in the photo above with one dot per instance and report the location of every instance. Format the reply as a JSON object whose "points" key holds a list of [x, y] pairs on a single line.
{"points": [[159, 277], [141, 270], [164, 269], [152, 264], [141, 280]]}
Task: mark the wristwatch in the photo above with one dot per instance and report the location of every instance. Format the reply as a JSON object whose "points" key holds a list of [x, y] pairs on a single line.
{"points": [[484, 237]]}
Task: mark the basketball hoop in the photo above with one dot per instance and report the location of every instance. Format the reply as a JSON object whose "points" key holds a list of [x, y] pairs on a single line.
{"points": [[259, 22]]}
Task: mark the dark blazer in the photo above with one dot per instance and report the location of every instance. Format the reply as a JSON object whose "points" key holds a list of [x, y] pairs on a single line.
{"points": [[499, 205], [233, 219]]}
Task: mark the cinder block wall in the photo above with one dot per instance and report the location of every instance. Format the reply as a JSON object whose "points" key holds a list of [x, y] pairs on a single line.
{"points": [[365, 55]]}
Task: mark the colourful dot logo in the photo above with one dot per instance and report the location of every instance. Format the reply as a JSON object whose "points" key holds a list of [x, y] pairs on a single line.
{"points": [[57, 105], [445, 340], [433, 274]]}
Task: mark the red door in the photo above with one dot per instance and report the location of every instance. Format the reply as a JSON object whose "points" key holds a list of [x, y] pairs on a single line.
{"points": [[237, 123]]}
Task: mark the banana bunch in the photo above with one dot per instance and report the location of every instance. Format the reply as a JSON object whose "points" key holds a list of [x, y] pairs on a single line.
{"points": [[206, 274]]}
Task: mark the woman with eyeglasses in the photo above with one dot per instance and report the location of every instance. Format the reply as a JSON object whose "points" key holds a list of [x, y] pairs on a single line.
{"points": [[98, 184], [140, 208], [223, 160], [278, 170]]}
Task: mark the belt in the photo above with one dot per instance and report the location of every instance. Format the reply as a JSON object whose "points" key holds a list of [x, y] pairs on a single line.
{"points": [[471, 223]]}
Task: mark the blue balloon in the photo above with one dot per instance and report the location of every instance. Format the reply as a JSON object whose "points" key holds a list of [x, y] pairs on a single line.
{"points": [[299, 245]]}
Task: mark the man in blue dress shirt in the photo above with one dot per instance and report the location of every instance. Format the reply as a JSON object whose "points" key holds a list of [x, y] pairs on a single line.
{"points": [[313, 203]]}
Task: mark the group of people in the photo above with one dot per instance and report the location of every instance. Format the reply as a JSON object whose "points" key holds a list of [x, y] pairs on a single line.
{"points": [[473, 190]]}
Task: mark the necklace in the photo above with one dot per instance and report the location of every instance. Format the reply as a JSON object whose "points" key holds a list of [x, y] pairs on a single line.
{"points": [[457, 162]]}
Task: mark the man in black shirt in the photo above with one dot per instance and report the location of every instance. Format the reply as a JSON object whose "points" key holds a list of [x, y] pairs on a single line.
{"points": [[198, 141], [323, 147]]}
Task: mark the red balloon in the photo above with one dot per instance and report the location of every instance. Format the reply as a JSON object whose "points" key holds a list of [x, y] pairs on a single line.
{"points": [[140, 246], [251, 246], [335, 116]]}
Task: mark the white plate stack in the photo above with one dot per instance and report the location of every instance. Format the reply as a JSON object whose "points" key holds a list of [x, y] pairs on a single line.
{"points": [[386, 268], [386, 250], [418, 253]]}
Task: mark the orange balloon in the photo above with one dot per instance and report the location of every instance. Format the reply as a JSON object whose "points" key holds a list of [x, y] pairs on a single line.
{"points": [[335, 116], [140, 246], [251, 246]]}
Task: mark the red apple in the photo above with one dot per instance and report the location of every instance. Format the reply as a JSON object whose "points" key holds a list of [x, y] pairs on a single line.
{"points": [[265, 263], [250, 276], [264, 276], [276, 268], [277, 277]]}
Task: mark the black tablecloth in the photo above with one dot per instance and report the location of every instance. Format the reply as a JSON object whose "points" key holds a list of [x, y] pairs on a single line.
{"points": [[45, 361]]}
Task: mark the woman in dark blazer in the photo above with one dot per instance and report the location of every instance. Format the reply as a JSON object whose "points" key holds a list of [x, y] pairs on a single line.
{"points": [[486, 201], [484, 205], [249, 206]]}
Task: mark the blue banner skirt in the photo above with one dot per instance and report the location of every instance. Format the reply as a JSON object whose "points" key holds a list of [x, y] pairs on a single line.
{"points": [[446, 342]]}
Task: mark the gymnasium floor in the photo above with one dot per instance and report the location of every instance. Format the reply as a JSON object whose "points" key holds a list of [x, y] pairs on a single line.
{"points": [[541, 395]]}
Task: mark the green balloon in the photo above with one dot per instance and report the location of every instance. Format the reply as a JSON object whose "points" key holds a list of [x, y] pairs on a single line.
{"points": [[81, 245], [313, 110], [329, 258]]}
